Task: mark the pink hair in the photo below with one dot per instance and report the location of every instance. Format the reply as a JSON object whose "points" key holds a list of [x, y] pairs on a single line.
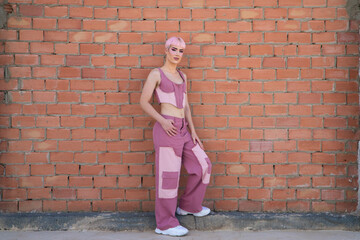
{"points": [[175, 41]]}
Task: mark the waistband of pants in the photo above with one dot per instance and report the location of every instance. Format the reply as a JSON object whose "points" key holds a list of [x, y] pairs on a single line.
{"points": [[176, 119]]}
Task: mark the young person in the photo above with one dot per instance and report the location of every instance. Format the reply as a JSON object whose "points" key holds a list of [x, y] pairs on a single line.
{"points": [[174, 144]]}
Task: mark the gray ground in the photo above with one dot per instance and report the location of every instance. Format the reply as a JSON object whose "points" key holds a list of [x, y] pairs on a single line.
{"points": [[208, 235]]}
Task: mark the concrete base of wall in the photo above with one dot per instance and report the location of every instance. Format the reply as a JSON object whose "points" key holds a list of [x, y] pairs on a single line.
{"points": [[146, 221]]}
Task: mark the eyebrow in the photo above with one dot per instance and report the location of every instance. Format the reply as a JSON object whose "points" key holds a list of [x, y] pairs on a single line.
{"points": [[178, 48]]}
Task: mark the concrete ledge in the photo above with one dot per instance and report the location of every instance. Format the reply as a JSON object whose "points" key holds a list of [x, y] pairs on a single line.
{"points": [[146, 221]]}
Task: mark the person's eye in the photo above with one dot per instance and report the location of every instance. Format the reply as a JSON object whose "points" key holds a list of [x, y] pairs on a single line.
{"points": [[173, 49], [181, 51]]}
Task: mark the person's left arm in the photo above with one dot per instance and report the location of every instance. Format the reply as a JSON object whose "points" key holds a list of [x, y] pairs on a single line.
{"points": [[188, 118]]}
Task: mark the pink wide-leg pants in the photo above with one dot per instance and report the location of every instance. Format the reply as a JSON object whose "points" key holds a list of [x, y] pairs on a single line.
{"points": [[171, 152]]}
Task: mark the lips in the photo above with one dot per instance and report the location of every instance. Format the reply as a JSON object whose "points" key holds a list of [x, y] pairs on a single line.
{"points": [[176, 58]]}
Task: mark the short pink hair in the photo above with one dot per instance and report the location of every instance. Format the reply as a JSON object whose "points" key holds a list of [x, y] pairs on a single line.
{"points": [[175, 41]]}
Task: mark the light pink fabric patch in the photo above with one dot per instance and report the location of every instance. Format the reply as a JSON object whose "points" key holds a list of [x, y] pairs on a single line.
{"points": [[169, 168], [165, 97], [184, 100], [201, 156]]}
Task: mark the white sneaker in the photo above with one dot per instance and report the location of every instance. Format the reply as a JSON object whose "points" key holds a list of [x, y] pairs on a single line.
{"points": [[205, 211], [177, 231]]}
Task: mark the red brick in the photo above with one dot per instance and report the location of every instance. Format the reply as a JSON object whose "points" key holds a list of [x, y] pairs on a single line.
{"points": [[128, 206], [52, 60], [41, 47], [32, 133], [55, 36], [31, 10], [72, 121], [310, 170], [226, 205], [44, 72], [332, 194], [264, 25], [234, 193], [274, 181], [58, 133], [179, 13], [23, 121], [54, 206], [16, 47], [132, 13], [79, 206], [309, 145], [328, 37], [92, 170], [42, 169], [64, 193], [262, 50], [39, 193], [46, 145], [227, 13], [67, 48], [56, 11], [261, 170], [324, 13], [17, 170], [30, 206], [283, 194], [19, 22], [36, 157], [81, 181], [259, 194], [70, 24], [275, 37], [68, 72], [287, 73], [56, 181], [6, 60], [275, 110], [31, 35], [44, 23], [136, 194], [308, 194], [251, 13], [286, 169], [70, 146], [105, 181], [299, 182], [285, 98], [88, 194], [250, 206], [347, 37]]}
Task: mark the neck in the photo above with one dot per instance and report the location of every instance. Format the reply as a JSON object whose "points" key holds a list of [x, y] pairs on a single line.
{"points": [[170, 67]]}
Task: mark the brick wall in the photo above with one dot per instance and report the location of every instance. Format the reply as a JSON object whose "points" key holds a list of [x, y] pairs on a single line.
{"points": [[272, 84]]}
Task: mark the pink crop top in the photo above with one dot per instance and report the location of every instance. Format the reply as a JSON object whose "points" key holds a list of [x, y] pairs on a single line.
{"points": [[169, 92]]}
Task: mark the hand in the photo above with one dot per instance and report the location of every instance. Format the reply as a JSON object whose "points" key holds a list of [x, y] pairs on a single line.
{"points": [[195, 139], [168, 126]]}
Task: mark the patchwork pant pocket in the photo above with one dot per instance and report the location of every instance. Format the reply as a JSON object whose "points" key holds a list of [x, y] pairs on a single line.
{"points": [[170, 180]]}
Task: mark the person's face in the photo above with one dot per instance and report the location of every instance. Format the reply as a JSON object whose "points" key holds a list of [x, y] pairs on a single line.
{"points": [[174, 53]]}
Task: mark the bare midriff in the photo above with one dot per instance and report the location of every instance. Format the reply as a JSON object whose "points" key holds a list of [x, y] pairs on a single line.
{"points": [[171, 110]]}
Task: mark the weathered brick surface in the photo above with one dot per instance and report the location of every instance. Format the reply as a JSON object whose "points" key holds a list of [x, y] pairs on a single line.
{"points": [[272, 85]]}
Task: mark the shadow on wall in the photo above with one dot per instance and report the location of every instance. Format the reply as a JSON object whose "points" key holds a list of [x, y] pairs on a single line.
{"points": [[353, 9], [4, 10]]}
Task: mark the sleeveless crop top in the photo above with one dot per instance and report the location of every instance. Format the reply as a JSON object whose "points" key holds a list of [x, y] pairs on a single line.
{"points": [[169, 92]]}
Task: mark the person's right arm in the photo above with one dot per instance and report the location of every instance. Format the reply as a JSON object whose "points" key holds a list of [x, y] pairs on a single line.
{"points": [[150, 84]]}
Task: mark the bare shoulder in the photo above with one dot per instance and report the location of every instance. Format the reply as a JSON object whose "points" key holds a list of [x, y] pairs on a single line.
{"points": [[154, 75]]}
